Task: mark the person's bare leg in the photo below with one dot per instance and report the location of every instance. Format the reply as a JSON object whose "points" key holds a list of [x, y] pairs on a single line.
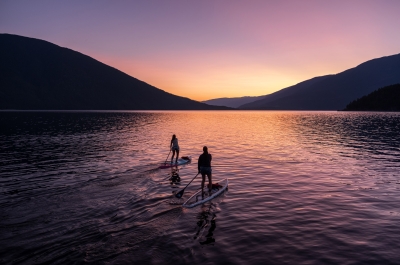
{"points": [[177, 155], [173, 154], [210, 181], [202, 183]]}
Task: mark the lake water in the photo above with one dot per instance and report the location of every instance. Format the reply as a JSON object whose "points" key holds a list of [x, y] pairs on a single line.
{"points": [[305, 188]]}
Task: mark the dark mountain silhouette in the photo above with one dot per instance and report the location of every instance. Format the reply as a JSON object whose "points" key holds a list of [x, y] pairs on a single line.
{"points": [[384, 99], [36, 74], [232, 102], [334, 92]]}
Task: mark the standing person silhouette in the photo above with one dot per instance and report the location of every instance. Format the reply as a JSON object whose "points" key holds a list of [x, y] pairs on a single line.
{"points": [[204, 167], [174, 148]]}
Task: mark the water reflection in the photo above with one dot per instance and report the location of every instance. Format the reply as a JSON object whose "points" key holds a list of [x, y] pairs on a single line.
{"points": [[84, 187], [206, 222], [174, 177], [367, 131]]}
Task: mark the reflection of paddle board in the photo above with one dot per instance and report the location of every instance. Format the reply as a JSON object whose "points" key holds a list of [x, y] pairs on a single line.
{"points": [[181, 161], [197, 198]]}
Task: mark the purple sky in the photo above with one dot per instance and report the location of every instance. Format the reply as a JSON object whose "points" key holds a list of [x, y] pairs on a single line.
{"points": [[215, 48]]}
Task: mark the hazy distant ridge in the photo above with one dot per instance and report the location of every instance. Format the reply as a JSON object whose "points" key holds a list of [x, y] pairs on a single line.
{"points": [[232, 102], [333, 92], [36, 74]]}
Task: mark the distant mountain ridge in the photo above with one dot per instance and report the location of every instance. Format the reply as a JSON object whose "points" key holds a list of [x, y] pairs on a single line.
{"points": [[232, 102], [36, 74], [384, 99], [333, 92]]}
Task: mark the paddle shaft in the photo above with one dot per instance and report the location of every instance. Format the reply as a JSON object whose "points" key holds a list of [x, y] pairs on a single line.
{"points": [[167, 156], [191, 181], [179, 194]]}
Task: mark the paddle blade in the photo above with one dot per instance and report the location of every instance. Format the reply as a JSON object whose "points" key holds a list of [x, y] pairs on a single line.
{"points": [[180, 194]]}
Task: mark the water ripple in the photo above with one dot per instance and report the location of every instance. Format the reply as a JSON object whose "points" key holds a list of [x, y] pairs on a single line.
{"points": [[305, 188]]}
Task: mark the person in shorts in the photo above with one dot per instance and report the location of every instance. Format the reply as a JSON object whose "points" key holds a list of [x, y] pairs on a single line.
{"points": [[174, 148], [204, 167]]}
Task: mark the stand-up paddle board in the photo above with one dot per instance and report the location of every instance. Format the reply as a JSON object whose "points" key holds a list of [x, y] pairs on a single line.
{"points": [[181, 161], [199, 198]]}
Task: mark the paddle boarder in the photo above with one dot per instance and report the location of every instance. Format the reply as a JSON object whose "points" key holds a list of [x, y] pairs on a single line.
{"points": [[204, 167], [174, 148]]}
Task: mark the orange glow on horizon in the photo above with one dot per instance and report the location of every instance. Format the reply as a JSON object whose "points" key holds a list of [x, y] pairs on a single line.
{"points": [[220, 84], [212, 83]]}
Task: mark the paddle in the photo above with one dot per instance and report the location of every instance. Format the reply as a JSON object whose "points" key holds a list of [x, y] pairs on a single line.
{"points": [[180, 194], [167, 157]]}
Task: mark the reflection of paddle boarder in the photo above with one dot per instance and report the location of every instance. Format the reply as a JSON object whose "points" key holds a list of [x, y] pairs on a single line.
{"points": [[203, 223], [174, 176], [209, 236], [174, 148]]}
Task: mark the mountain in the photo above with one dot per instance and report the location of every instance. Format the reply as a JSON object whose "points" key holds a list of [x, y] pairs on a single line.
{"points": [[333, 92], [384, 99], [36, 74], [232, 102]]}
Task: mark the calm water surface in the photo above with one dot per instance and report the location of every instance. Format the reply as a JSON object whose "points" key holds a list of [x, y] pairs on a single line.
{"points": [[305, 188]]}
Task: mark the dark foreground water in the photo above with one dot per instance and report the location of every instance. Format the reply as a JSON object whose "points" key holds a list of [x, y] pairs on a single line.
{"points": [[305, 188]]}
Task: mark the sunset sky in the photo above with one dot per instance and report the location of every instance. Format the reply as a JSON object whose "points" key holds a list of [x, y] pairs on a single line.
{"points": [[215, 48]]}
